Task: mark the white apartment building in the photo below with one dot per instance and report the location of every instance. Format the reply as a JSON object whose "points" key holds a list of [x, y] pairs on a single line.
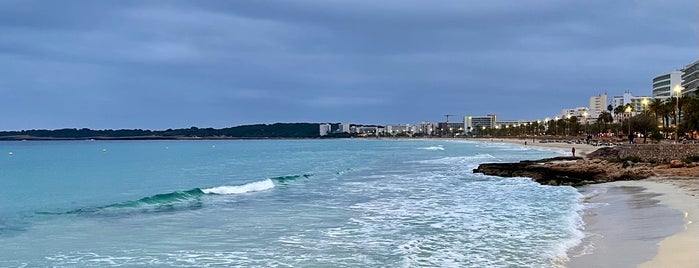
{"points": [[639, 103], [664, 84], [344, 127], [396, 129], [690, 78], [425, 128], [598, 105], [324, 129], [582, 113]]}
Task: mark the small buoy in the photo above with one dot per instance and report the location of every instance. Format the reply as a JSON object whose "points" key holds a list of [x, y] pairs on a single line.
{"points": [[10, 153], [104, 150]]}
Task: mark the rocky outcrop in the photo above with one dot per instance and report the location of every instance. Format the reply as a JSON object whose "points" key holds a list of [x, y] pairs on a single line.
{"points": [[572, 171]]}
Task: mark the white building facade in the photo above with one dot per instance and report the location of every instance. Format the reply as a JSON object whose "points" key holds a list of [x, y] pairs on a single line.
{"points": [[472, 123], [690, 78], [598, 105], [664, 84], [324, 129]]}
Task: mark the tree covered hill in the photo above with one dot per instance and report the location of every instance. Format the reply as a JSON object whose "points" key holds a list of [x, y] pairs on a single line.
{"points": [[278, 130]]}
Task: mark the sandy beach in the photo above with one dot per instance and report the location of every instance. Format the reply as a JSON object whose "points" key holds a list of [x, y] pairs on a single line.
{"points": [[580, 149], [647, 223]]}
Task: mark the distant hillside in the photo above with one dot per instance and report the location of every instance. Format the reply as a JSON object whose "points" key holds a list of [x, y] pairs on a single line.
{"points": [[278, 130]]}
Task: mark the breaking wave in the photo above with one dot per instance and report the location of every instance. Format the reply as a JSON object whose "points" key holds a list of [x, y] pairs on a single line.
{"points": [[189, 199], [433, 148]]}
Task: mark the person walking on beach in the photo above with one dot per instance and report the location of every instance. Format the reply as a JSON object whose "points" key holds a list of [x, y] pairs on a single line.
{"points": [[573, 150]]}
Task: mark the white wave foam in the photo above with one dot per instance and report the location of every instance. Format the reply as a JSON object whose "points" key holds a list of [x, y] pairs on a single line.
{"points": [[457, 159], [433, 148], [240, 189]]}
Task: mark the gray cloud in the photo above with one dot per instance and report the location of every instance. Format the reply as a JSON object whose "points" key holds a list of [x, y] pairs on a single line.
{"points": [[161, 64]]}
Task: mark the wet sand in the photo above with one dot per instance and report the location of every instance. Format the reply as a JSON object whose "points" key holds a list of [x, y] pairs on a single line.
{"points": [[623, 225]]}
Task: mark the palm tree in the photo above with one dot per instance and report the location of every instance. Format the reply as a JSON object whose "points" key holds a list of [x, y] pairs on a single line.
{"points": [[619, 110], [654, 107], [605, 118]]}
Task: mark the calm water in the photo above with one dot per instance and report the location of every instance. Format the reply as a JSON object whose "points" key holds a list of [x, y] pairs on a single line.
{"points": [[277, 203]]}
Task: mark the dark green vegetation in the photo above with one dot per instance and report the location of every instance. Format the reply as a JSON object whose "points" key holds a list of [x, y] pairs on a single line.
{"points": [[278, 130]]}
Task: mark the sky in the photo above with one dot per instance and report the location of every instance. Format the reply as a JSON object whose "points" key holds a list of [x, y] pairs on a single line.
{"points": [[173, 64]]}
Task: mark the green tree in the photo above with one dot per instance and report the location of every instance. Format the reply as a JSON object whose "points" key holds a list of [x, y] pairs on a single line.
{"points": [[644, 123]]}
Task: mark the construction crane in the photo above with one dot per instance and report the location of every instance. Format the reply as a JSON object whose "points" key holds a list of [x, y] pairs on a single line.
{"points": [[447, 116], [447, 123]]}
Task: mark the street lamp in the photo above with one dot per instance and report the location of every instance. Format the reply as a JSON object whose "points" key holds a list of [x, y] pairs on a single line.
{"points": [[568, 125], [555, 124], [644, 103], [678, 91], [628, 110], [585, 114]]}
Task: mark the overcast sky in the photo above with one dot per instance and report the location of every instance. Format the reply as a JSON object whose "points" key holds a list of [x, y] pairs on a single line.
{"points": [[171, 64]]}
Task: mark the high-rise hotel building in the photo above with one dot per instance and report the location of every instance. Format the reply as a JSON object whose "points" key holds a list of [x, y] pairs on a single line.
{"points": [[690, 78], [664, 84]]}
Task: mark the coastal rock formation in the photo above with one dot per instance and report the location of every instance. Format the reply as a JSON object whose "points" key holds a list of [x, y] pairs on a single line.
{"points": [[573, 171]]}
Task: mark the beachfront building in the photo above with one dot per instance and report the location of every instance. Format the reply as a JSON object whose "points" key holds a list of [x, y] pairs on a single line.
{"points": [[598, 105], [638, 103], [425, 128], [582, 113], [344, 128], [664, 84], [690, 78], [324, 129], [367, 130], [399, 129], [473, 123]]}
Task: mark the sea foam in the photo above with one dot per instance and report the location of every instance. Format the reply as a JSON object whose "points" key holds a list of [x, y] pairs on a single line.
{"points": [[240, 189]]}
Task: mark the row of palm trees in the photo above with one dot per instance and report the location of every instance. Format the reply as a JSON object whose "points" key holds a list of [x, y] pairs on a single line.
{"points": [[672, 115]]}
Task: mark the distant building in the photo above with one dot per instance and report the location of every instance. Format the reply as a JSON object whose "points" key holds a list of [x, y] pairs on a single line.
{"points": [[512, 123], [638, 103], [368, 130], [582, 113], [472, 123], [397, 129], [425, 128], [690, 78], [344, 128], [325, 129], [598, 105], [664, 84]]}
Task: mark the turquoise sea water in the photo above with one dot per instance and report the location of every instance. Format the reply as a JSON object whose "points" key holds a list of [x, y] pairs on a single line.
{"points": [[277, 203]]}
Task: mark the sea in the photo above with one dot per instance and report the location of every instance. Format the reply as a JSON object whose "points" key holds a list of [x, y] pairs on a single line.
{"points": [[278, 203]]}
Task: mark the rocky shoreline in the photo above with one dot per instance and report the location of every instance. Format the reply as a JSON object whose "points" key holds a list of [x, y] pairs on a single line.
{"points": [[603, 165]]}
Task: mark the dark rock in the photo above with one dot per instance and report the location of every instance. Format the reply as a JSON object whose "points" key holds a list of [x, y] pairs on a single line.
{"points": [[604, 153], [573, 171]]}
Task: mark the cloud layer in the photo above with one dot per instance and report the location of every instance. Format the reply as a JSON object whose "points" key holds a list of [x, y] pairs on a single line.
{"points": [[161, 64]]}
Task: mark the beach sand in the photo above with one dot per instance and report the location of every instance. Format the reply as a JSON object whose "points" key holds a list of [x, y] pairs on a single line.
{"points": [[647, 223], [580, 149]]}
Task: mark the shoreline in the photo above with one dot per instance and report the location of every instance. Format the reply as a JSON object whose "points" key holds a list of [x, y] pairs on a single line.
{"points": [[669, 248], [580, 149]]}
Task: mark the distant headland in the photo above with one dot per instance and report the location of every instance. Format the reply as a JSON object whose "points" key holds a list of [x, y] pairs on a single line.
{"points": [[257, 131]]}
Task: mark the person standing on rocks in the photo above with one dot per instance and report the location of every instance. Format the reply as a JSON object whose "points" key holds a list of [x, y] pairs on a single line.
{"points": [[573, 150]]}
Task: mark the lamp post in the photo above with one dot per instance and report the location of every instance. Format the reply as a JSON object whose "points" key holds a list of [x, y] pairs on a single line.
{"points": [[568, 124], [555, 124], [628, 110], [644, 103], [678, 91], [585, 114]]}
